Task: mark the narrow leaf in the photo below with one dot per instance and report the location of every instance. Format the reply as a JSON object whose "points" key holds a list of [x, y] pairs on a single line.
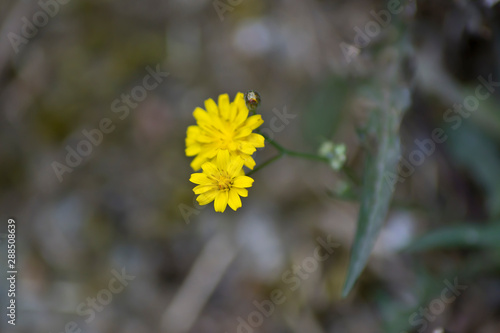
{"points": [[378, 185], [458, 236], [470, 141]]}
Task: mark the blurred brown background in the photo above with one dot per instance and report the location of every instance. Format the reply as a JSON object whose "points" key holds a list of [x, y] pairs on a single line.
{"points": [[128, 204]]}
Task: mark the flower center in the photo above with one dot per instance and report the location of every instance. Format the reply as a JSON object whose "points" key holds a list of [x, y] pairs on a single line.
{"points": [[226, 138], [226, 142], [224, 182]]}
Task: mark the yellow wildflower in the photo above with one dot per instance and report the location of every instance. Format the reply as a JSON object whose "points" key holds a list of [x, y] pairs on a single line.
{"points": [[222, 182], [223, 127]]}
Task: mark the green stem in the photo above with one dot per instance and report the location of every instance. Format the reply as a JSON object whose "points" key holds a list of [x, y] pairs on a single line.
{"points": [[283, 151], [273, 143], [305, 155], [288, 152], [266, 163]]}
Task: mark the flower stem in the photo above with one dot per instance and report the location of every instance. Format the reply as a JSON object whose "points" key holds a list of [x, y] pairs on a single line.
{"points": [[266, 163], [288, 152], [305, 155], [282, 152]]}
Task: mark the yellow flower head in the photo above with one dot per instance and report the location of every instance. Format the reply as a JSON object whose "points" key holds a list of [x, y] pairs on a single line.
{"points": [[223, 127], [222, 181]]}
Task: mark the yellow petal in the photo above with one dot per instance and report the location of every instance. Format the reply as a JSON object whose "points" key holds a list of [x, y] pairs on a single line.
{"points": [[241, 115], [201, 116], [190, 141], [233, 111], [232, 146], [254, 121], [211, 107], [200, 178], [239, 97], [234, 199], [222, 160], [207, 197], [224, 106], [193, 131], [210, 169], [192, 150], [235, 166], [197, 162], [205, 138], [242, 181], [220, 203], [243, 192], [203, 188], [239, 100], [243, 132], [256, 140], [211, 151], [249, 161], [247, 148]]}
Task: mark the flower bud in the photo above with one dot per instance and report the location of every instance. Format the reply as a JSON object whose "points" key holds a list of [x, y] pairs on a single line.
{"points": [[334, 153], [252, 99]]}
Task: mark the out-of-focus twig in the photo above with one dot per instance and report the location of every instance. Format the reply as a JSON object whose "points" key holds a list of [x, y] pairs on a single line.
{"points": [[205, 275]]}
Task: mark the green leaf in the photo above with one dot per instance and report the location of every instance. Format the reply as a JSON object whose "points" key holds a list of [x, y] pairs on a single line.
{"points": [[325, 111], [457, 237], [378, 183], [472, 149]]}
